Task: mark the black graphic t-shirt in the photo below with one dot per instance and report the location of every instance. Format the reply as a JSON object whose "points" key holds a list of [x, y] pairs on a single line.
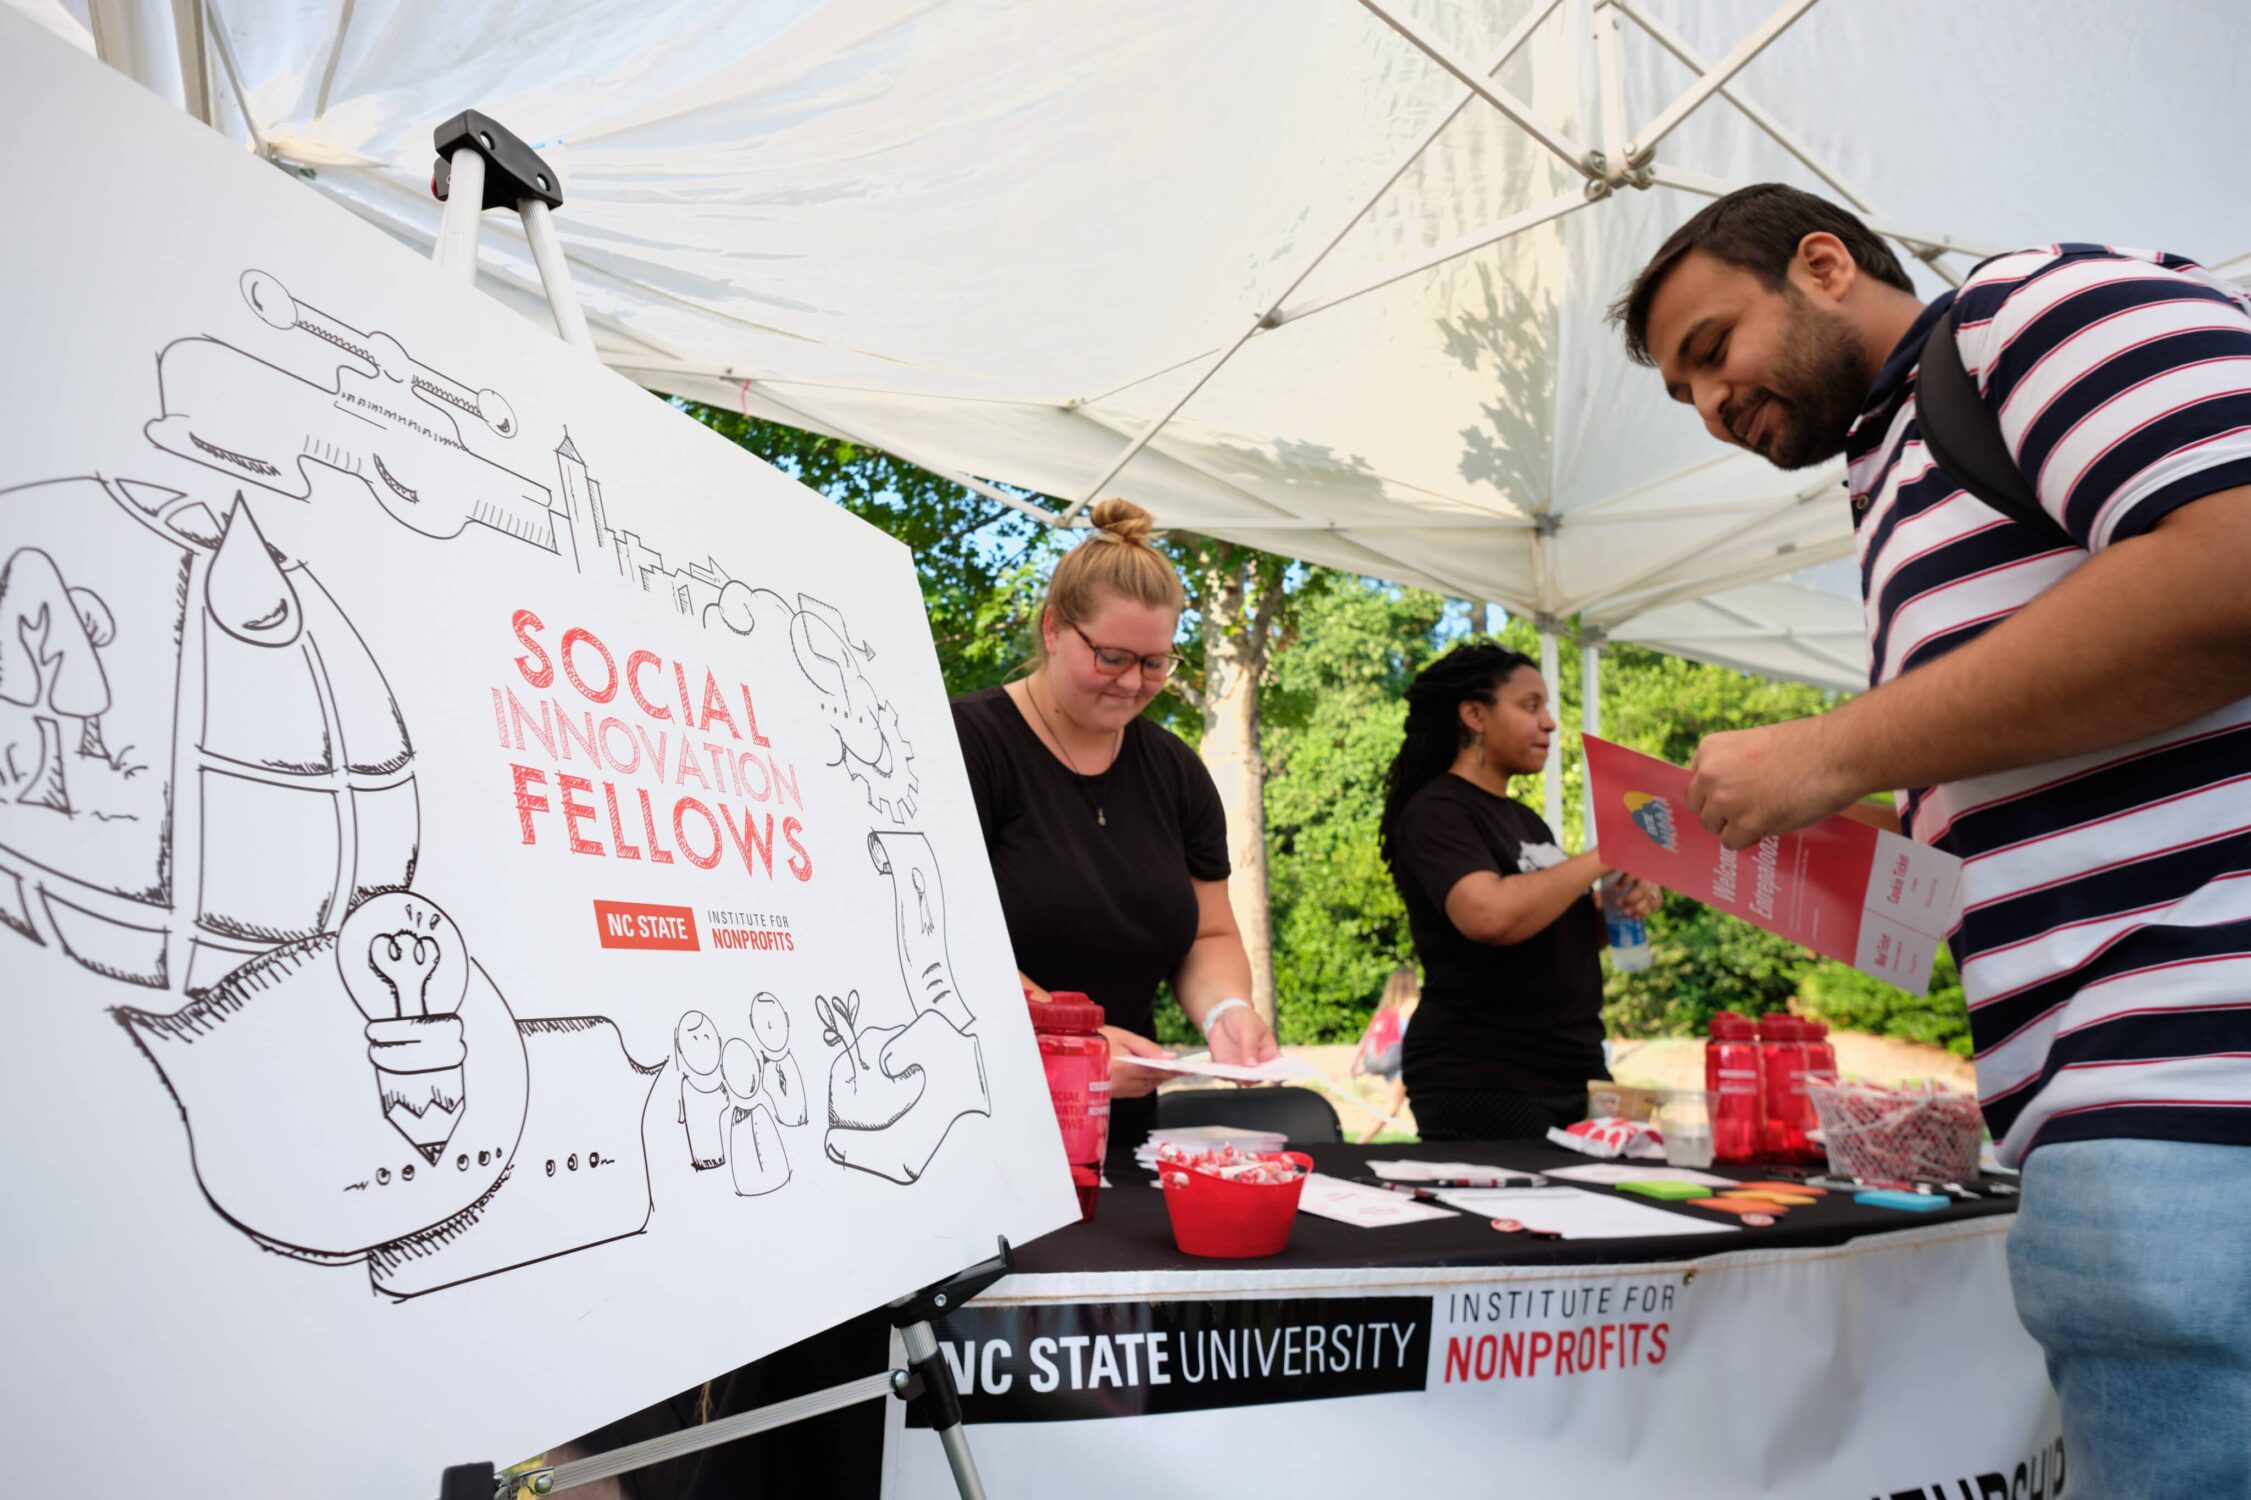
{"points": [[1526, 1018], [1103, 908]]}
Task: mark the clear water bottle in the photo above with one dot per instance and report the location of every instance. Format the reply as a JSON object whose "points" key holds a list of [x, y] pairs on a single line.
{"points": [[1629, 936]]}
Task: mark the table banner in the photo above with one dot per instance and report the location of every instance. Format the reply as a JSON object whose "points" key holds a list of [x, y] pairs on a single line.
{"points": [[1890, 1367]]}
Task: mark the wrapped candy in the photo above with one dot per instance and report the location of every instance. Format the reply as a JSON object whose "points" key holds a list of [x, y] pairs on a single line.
{"points": [[1228, 1164], [1918, 1135], [1612, 1136]]}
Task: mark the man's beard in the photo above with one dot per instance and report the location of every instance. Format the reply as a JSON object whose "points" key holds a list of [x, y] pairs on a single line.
{"points": [[1820, 367]]}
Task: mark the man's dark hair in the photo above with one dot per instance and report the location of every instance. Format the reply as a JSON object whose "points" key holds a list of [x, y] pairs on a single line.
{"points": [[1759, 229]]}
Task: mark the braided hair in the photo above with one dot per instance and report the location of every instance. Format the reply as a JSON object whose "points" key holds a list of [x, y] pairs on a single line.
{"points": [[1466, 674]]}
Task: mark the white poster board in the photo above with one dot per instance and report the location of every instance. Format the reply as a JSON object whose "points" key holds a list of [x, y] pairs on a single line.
{"points": [[493, 929]]}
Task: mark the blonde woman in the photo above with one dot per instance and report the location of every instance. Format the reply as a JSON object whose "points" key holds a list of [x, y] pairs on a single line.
{"points": [[1106, 835]]}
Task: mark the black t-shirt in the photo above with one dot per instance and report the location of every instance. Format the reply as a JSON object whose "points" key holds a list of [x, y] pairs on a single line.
{"points": [[1526, 1018], [1103, 908]]}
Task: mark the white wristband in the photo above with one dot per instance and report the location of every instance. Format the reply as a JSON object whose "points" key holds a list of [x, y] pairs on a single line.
{"points": [[1221, 1009]]}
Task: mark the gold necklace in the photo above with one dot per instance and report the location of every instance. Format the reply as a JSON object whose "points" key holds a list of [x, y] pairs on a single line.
{"points": [[1101, 819]]}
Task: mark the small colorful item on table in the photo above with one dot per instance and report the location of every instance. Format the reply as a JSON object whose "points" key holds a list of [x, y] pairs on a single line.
{"points": [[1609, 1137]]}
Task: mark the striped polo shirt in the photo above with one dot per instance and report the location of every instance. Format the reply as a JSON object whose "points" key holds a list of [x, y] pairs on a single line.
{"points": [[2105, 941]]}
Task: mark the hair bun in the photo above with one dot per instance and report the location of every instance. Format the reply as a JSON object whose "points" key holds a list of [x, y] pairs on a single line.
{"points": [[1123, 521]]}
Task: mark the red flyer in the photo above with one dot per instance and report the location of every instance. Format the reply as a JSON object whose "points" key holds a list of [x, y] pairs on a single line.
{"points": [[1870, 898]]}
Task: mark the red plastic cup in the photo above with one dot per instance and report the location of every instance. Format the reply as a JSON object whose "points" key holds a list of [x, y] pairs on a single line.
{"points": [[1076, 1056]]}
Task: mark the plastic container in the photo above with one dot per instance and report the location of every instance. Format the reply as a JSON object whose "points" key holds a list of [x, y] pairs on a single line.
{"points": [[1879, 1134], [1076, 1056], [1732, 1074], [1223, 1220], [1684, 1119], [1820, 1057], [1629, 936], [1782, 1075]]}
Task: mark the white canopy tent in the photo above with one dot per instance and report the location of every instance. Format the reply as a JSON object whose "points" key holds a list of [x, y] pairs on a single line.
{"points": [[1325, 277]]}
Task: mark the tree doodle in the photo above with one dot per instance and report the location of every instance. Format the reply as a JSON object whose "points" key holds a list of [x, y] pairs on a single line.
{"points": [[51, 637]]}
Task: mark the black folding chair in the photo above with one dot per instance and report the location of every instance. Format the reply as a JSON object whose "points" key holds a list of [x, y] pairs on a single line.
{"points": [[1303, 1117]]}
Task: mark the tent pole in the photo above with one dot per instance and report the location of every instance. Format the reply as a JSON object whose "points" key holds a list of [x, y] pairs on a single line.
{"points": [[1915, 239], [1518, 112], [1643, 147], [1609, 83], [1591, 640], [1265, 319], [1806, 495], [1551, 776], [1468, 244]]}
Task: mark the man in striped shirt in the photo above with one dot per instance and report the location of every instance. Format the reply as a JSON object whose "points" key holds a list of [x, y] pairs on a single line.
{"points": [[2073, 720]]}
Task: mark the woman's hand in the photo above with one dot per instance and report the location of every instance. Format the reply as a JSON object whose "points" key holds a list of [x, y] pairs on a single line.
{"points": [[1126, 1080], [1032, 992], [1242, 1037]]}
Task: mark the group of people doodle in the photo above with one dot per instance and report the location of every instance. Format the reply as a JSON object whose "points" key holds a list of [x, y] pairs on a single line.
{"points": [[737, 1093]]}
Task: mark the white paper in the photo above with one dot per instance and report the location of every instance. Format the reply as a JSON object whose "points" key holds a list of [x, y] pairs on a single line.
{"points": [[491, 858], [1357, 1203], [1273, 1070], [1437, 1171], [1611, 1173], [1576, 1215]]}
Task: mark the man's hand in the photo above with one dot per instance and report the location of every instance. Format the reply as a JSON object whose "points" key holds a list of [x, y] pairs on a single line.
{"points": [[1746, 784]]}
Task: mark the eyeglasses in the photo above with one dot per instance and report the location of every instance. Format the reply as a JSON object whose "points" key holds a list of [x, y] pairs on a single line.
{"points": [[1115, 661]]}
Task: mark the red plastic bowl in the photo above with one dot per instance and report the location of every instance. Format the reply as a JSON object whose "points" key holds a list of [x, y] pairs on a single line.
{"points": [[1224, 1220]]}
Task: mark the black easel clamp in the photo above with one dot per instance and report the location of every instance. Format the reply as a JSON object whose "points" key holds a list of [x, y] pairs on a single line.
{"points": [[940, 1298], [513, 171]]}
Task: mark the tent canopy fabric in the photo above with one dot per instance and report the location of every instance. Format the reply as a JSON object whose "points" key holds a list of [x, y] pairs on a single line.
{"points": [[1350, 304]]}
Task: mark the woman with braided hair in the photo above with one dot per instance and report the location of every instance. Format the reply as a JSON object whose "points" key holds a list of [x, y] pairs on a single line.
{"points": [[1508, 927]]}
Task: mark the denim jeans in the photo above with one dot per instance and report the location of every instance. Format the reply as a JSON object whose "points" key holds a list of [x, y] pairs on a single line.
{"points": [[2131, 1263]]}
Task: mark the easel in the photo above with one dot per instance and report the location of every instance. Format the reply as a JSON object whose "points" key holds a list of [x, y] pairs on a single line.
{"points": [[482, 165]]}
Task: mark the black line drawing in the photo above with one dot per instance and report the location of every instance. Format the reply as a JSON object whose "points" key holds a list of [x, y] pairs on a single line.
{"points": [[785, 1081], [208, 795], [410, 435], [919, 902], [870, 744], [703, 1091], [895, 1092], [754, 1139], [417, 1045]]}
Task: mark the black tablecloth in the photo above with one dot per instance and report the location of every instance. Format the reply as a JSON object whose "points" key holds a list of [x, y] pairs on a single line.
{"points": [[839, 1455], [1130, 1230]]}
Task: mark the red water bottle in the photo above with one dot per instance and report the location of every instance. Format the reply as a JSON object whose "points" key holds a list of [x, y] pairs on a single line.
{"points": [[1731, 1072], [1076, 1056], [1782, 1076], [1820, 1067]]}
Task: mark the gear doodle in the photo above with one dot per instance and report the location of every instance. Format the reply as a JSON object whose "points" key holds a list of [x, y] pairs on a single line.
{"points": [[894, 796]]}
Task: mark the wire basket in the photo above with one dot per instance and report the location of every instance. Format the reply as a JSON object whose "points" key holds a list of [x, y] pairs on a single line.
{"points": [[1923, 1135]]}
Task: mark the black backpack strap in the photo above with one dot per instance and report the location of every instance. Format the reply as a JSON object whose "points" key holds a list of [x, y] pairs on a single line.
{"points": [[1964, 436]]}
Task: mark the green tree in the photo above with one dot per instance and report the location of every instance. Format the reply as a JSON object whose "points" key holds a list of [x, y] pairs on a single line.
{"points": [[982, 565], [1334, 706]]}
